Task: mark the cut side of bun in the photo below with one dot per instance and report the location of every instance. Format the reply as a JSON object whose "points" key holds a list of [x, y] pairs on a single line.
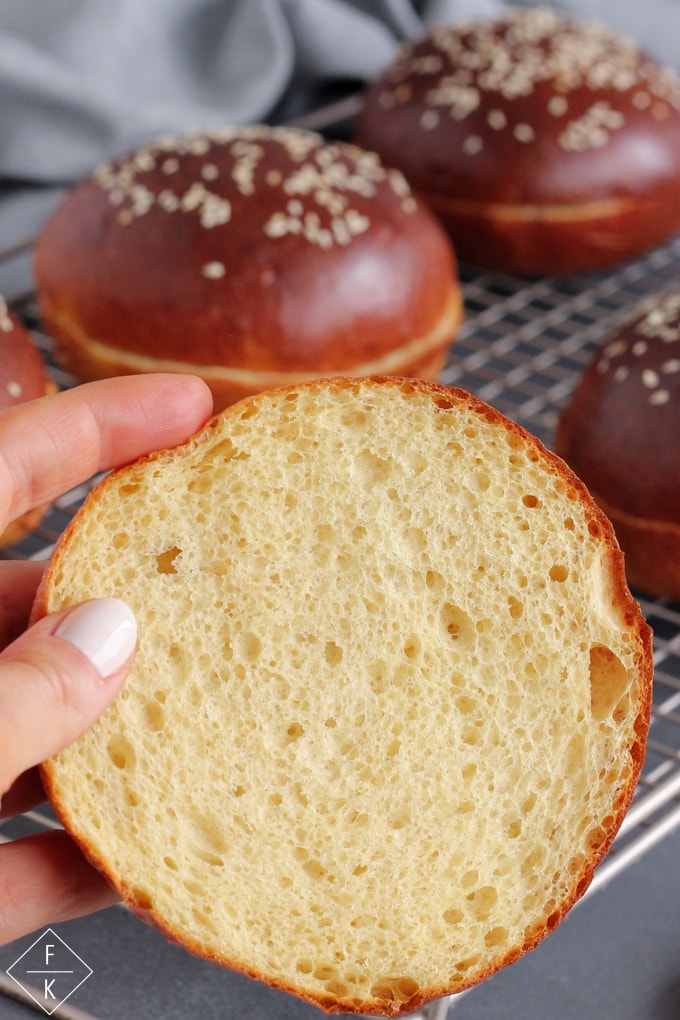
{"points": [[390, 700]]}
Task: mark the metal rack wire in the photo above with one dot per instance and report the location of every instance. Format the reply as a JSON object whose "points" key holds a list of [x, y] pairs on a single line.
{"points": [[523, 347]]}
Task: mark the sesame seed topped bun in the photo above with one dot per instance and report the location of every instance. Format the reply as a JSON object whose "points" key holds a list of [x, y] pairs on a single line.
{"points": [[22, 377], [255, 256], [22, 372], [544, 144], [621, 434]]}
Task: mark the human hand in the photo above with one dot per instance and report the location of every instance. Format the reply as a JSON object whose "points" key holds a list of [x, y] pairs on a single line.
{"points": [[59, 675]]}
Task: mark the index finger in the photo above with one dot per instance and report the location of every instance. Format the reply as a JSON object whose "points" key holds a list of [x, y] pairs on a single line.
{"points": [[50, 445]]}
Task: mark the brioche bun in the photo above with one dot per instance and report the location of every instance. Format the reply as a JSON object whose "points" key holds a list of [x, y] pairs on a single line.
{"points": [[621, 434], [22, 377], [390, 699], [544, 144], [252, 256]]}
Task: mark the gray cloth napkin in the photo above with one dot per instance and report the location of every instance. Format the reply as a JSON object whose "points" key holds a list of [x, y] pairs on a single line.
{"points": [[84, 80]]}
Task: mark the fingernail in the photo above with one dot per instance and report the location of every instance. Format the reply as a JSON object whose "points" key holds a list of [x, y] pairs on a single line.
{"points": [[105, 630]]}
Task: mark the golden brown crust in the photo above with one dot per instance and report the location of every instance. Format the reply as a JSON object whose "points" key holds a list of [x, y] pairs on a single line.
{"points": [[620, 434], [263, 250], [618, 596], [539, 114]]}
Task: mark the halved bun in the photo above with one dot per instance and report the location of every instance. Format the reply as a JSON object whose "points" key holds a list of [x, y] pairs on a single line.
{"points": [[391, 694]]}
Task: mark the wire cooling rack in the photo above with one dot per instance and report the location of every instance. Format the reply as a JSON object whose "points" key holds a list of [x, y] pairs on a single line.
{"points": [[524, 344]]}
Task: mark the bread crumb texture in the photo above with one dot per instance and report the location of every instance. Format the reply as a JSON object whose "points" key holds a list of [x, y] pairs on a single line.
{"points": [[390, 696]]}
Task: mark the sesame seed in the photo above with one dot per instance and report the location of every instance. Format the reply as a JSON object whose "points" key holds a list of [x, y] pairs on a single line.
{"points": [[213, 270], [144, 160], [142, 199], [14, 389], [429, 120], [323, 238], [276, 225], [472, 145], [641, 100], [557, 106], [650, 379], [357, 223], [398, 183], [496, 120], [659, 397], [168, 200], [639, 348], [671, 366], [209, 172], [215, 211], [193, 197], [199, 146], [524, 133], [621, 373], [341, 231], [170, 165]]}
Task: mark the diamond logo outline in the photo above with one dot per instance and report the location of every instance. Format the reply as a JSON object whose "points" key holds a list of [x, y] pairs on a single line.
{"points": [[30, 990]]}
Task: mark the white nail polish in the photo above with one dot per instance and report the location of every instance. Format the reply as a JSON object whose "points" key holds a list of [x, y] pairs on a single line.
{"points": [[105, 630]]}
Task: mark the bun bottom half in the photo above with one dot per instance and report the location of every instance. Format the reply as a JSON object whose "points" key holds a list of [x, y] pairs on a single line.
{"points": [[390, 700], [553, 239]]}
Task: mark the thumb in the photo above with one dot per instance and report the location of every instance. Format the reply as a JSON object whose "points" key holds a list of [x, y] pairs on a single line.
{"points": [[58, 677]]}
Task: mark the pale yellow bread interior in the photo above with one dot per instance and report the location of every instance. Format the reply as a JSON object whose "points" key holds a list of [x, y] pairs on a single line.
{"points": [[390, 698]]}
